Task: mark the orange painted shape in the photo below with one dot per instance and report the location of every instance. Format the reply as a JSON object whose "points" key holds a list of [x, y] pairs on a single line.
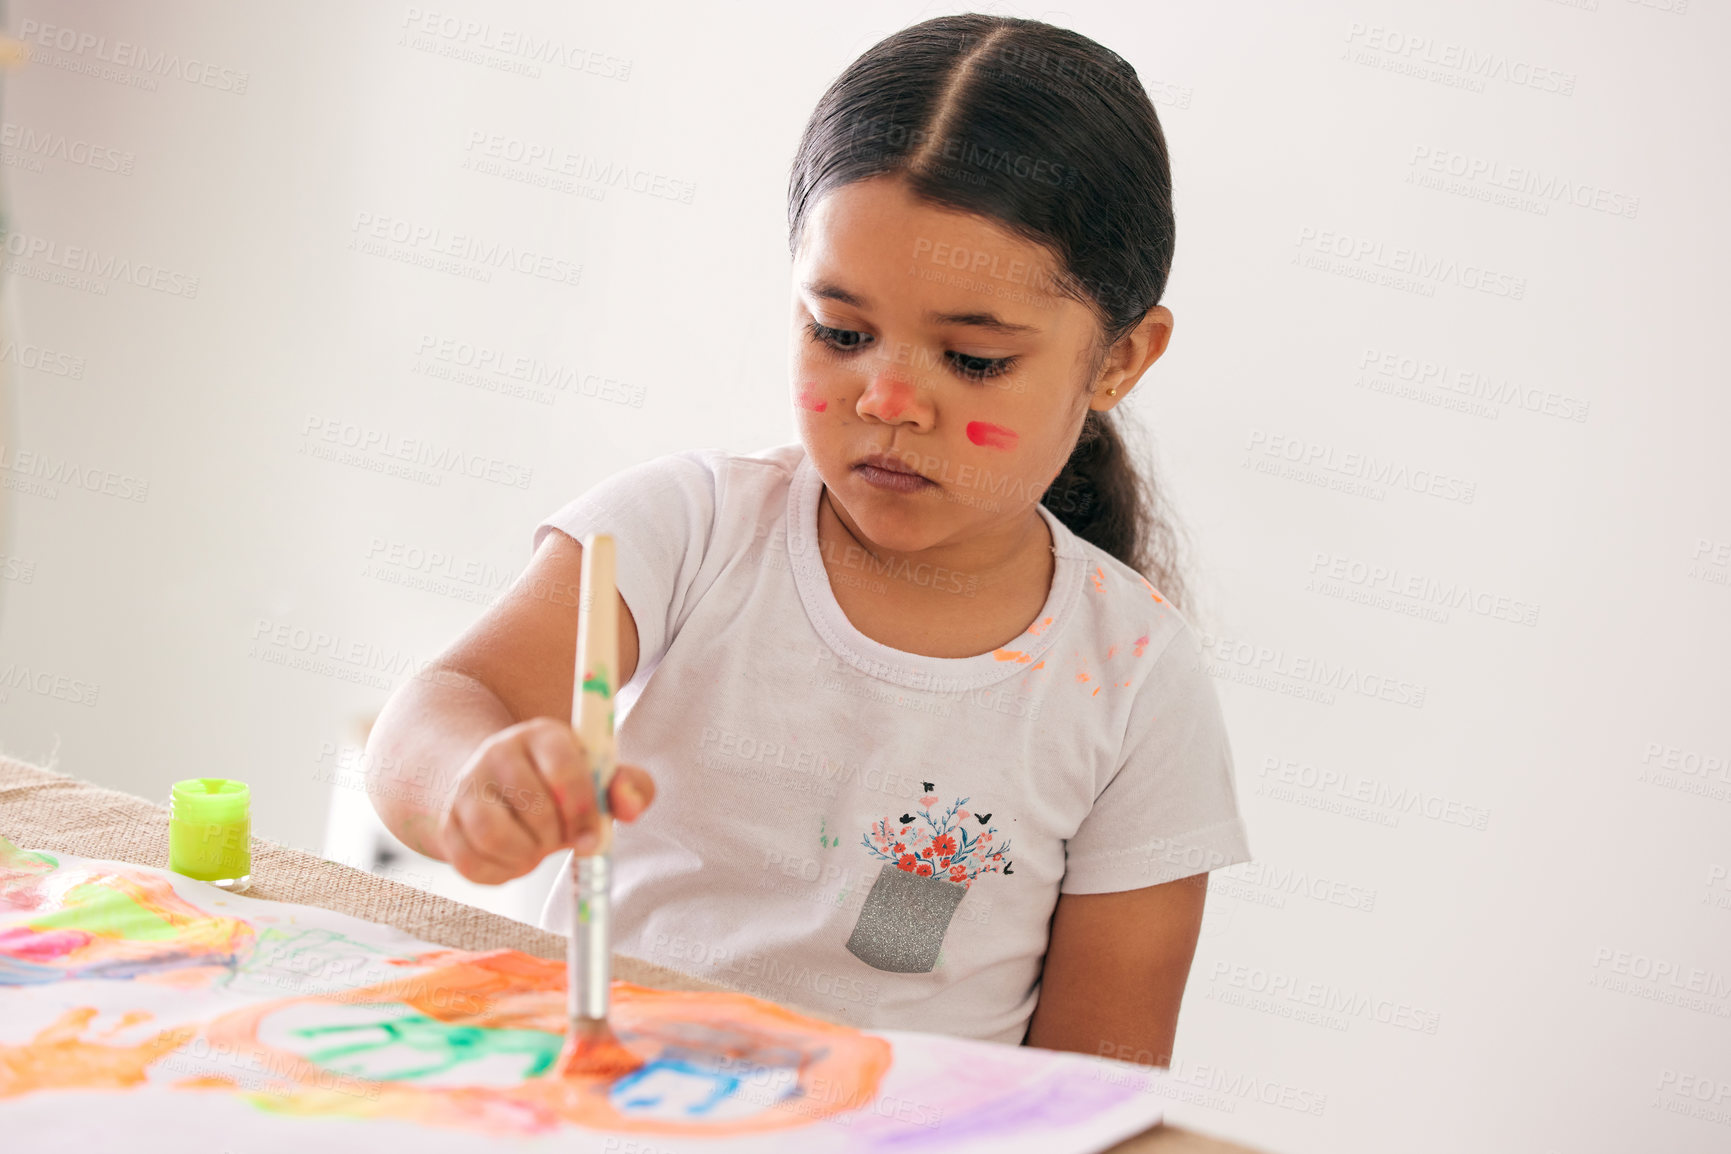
{"points": [[60, 1058], [838, 1068]]}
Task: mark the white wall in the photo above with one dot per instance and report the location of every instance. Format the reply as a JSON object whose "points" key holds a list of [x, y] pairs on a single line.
{"points": [[1497, 915]]}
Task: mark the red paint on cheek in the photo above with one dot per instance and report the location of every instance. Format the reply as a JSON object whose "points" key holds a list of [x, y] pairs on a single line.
{"points": [[991, 436], [809, 400]]}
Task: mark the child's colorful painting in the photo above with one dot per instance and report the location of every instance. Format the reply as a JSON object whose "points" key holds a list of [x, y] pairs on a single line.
{"points": [[146, 1011]]}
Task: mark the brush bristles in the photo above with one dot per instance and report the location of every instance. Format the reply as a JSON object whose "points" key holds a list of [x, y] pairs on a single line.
{"points": [[592, 1051]]}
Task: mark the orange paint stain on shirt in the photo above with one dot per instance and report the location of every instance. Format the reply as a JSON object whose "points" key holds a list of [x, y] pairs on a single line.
{"points": [[1152, 592], [1041, 665], [1039, 627], [1099, 579], [1111, 651], [1096, 692], [1012, 655], [1141, 644]]}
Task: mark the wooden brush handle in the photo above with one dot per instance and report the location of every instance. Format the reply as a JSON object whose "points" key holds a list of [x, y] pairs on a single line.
{"points": [[597, 668]]}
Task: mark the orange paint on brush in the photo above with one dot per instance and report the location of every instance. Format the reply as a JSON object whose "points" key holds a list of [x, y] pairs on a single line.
{"points": [[992, 436], [595, 1055]]}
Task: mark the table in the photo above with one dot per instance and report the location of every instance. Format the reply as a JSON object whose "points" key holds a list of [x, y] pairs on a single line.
{"points": [[45, 810]]}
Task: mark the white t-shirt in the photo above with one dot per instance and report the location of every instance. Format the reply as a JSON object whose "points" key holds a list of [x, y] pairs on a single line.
{"points": [[818, 791]]}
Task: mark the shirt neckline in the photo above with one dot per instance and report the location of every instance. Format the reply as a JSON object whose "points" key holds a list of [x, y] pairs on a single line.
{"points": [[917, 670]]}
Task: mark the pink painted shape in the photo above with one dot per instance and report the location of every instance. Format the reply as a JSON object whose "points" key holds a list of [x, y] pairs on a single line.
{"points": [[31, 946], [809, 400]]}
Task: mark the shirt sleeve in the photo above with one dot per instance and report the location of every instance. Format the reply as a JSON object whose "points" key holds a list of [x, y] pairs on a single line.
{"points": [[661, 514], [1171, 810]]}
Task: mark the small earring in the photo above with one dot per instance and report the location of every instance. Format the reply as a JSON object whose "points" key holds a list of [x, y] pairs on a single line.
{"points": [[1111, 392]]}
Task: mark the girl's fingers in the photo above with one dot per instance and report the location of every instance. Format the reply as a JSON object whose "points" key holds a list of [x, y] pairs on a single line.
{"points": [[631, 792], [513, 783], [563, 765], [467, 856]]}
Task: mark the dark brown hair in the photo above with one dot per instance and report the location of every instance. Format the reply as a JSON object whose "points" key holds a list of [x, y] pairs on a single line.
{"points": [[1051, 135]]}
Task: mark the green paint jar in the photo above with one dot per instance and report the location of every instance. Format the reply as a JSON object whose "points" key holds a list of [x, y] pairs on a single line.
{"points": [[210, 831]]}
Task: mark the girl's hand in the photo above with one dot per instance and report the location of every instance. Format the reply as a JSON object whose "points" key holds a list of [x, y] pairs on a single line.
{"points": [[526, 792]]}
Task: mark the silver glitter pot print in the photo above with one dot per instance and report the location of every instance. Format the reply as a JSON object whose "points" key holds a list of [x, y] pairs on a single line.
{"points": [[902, 925]]}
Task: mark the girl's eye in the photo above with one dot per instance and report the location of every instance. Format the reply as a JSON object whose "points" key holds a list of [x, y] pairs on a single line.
{"points": [[980, 368], [965, 366], [842, 340]]}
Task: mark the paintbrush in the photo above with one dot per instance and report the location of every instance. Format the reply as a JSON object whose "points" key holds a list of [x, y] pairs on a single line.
{"points": [[591, 1049]]}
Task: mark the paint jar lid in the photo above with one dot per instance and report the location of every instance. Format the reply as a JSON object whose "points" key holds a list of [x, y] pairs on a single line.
{"points": [[211, 799]]}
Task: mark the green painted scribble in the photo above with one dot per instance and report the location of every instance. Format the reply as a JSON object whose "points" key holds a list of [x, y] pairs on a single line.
{"points": [[822, 835], [29, 861], [109, 913], [315, 955], [446, 1047]]}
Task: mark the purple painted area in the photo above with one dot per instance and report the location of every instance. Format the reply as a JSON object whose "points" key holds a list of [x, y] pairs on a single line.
{"points": [[1062, 1099]]}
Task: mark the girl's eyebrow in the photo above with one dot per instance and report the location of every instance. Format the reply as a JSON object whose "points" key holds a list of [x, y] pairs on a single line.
{"points": [[828, 290]]}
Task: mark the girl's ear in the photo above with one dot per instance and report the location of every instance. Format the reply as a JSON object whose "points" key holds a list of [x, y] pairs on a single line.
{"points": [[1126, 361]]}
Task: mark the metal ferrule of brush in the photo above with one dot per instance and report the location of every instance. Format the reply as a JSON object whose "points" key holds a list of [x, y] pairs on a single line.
{"points": [[590, 958], [590, 979]]}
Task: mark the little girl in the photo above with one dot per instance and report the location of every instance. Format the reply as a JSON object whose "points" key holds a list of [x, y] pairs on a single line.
{"points": [[930, 750]]}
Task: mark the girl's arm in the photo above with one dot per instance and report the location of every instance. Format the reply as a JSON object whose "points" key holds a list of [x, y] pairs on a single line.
{"points": [[1115, 970], [505, 682]]}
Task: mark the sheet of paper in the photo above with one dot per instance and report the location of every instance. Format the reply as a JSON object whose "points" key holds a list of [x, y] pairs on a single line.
{"points": [[138, 1004]]}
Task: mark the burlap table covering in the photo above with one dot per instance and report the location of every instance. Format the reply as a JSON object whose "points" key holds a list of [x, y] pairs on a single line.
{"points": [[44, 810]]}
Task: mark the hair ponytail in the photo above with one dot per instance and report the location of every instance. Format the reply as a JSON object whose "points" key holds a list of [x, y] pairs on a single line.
{"points": [[1104, 499], [1052, 135]]}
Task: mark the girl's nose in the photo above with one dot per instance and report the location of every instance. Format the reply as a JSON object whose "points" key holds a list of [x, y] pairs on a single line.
{"points": [[892, 398]]}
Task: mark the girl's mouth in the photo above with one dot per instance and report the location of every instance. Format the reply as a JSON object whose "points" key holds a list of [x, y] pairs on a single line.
{"points": [[885, 471]]}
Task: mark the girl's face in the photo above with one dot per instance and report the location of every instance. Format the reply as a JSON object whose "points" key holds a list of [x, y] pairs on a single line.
{"points": [[935, 338]]}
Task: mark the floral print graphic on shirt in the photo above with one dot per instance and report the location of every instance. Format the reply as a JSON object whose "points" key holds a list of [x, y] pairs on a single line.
{"points": [[945, 847], [931, 857]]}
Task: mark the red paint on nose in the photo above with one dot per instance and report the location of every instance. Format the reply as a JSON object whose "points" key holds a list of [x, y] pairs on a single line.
{"points": [[899, 395], [991, 436], [808, 398]]}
